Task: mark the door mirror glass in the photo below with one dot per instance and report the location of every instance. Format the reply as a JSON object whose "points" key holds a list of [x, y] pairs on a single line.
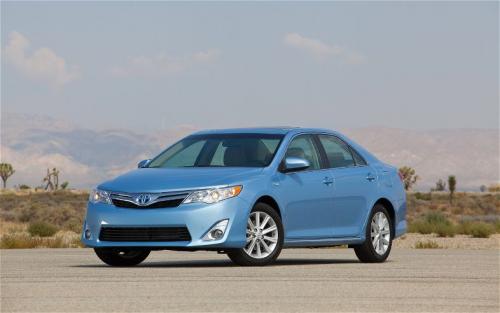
{"points": [[294, 164], [143, 163]]}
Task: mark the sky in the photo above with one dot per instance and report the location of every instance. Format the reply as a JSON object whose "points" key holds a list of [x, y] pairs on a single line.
{"points": [[158, 65]]}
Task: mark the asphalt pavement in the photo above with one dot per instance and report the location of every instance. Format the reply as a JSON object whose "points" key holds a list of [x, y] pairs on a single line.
{"points": [[303, 280]]}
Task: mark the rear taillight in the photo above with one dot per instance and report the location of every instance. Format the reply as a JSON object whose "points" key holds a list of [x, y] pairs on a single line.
{"points": [[400, 176]]}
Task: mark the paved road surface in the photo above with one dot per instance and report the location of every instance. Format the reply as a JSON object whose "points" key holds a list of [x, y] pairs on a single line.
{"points": [[327, 280]]}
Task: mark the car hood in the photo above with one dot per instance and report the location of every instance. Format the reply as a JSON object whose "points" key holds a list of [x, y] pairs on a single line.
{"points": [[172, 179]]}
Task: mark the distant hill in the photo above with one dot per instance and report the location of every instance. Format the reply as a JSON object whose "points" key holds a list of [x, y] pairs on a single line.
{"points": [[472, 155], [86, 157]]}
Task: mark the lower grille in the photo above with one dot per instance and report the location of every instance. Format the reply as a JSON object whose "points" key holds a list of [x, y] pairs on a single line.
{"points": [[144, 234]]}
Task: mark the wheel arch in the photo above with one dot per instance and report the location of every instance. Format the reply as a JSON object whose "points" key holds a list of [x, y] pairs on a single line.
{"points": [[271, 202]]}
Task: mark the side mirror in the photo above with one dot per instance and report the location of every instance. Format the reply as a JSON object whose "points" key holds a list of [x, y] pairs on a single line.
{"points": [[293, 164], [143, 163]]}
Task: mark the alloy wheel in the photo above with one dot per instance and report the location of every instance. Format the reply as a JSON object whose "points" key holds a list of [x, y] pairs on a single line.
{"points": [[380, 233], [262, 235]]}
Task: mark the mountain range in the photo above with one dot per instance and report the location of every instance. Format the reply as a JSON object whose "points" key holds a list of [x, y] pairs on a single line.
{"points": [[85, 157]]}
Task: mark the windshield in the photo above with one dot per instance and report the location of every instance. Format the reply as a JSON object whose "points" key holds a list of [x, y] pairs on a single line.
{"points": [[220, 150]]}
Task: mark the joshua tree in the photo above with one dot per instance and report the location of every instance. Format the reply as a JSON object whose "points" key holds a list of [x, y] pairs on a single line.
{"points": [[440, 185], [452, 184], [6, 171], [51, 180], [409, 177], [55, 174]]}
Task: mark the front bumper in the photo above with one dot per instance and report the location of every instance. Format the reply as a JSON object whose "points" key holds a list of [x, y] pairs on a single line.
{"points": [[197, 217]]}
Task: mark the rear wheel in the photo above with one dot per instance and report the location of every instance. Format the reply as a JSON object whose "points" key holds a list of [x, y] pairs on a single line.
{"points": [[121, 256], [264, 238], [379, 231]]}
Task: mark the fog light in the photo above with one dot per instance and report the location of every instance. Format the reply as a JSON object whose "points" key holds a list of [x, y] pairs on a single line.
{"points": [[88, 234], [217, 231], [217, 234]]}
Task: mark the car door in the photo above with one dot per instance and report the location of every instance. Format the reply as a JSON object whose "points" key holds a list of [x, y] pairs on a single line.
{"points": [[354, 184], [307, 194]]}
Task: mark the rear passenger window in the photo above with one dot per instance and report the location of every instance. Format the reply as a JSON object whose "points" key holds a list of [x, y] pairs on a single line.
{"points": [[337, 152], [358, 158]]}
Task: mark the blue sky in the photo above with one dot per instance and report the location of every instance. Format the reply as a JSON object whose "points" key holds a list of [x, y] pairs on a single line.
{"points": [[148, 66]]}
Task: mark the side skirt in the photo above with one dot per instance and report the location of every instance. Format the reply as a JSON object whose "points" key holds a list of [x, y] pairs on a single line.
{"points": [[296, 243]]}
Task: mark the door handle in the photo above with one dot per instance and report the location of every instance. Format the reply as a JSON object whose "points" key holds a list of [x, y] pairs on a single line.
{"points": [[328, 181], [370, 177]]}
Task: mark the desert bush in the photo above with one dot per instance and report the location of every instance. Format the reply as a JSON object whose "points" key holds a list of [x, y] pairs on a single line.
{"points": [[476, 229], [25, 241], [74, 224], [482, 230], [420, 227], [445, 230], [429, 244], [10, 228], [56, 208], [433, 222], [436, 218], [42, 229], [16, 241], [426, 196]]}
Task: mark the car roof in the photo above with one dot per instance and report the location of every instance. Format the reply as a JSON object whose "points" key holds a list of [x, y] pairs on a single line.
{"points": [[282, 130]]}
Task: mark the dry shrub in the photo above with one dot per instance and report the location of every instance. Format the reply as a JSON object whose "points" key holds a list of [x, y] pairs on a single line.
{"points": [[433, 222], [25, 241], [42, 229], [429, 244], [63, 208], [476, 229]]}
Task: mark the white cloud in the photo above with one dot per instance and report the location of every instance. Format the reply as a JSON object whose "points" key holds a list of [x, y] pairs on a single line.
{"points": [[43, 64], [163, 64], [319, 49]]}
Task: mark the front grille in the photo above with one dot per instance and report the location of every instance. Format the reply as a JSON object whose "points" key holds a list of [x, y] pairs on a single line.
{"points": [[159, 200], [162, 204], [144, 234]]}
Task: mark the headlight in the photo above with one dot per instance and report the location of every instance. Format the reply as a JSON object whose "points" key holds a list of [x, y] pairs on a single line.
{"points": [[97, 196], [213, 195]]}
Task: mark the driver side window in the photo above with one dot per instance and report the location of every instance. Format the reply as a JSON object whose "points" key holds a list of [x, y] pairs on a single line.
{"points": [[303, 147]]}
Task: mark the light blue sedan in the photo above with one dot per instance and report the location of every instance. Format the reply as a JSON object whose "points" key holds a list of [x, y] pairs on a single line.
{"points": [[249, 193]]}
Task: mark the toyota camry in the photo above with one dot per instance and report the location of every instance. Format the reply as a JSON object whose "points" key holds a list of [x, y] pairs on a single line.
{"points": [[249, 193]]}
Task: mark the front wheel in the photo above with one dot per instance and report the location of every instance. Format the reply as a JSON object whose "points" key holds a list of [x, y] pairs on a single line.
{"points": [[264, 238], [378, 243], [121, 256]]}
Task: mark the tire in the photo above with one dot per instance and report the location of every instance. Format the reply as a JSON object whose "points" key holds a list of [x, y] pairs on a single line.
{"points": [[121, 256], [376, 250], [255, 253]]}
